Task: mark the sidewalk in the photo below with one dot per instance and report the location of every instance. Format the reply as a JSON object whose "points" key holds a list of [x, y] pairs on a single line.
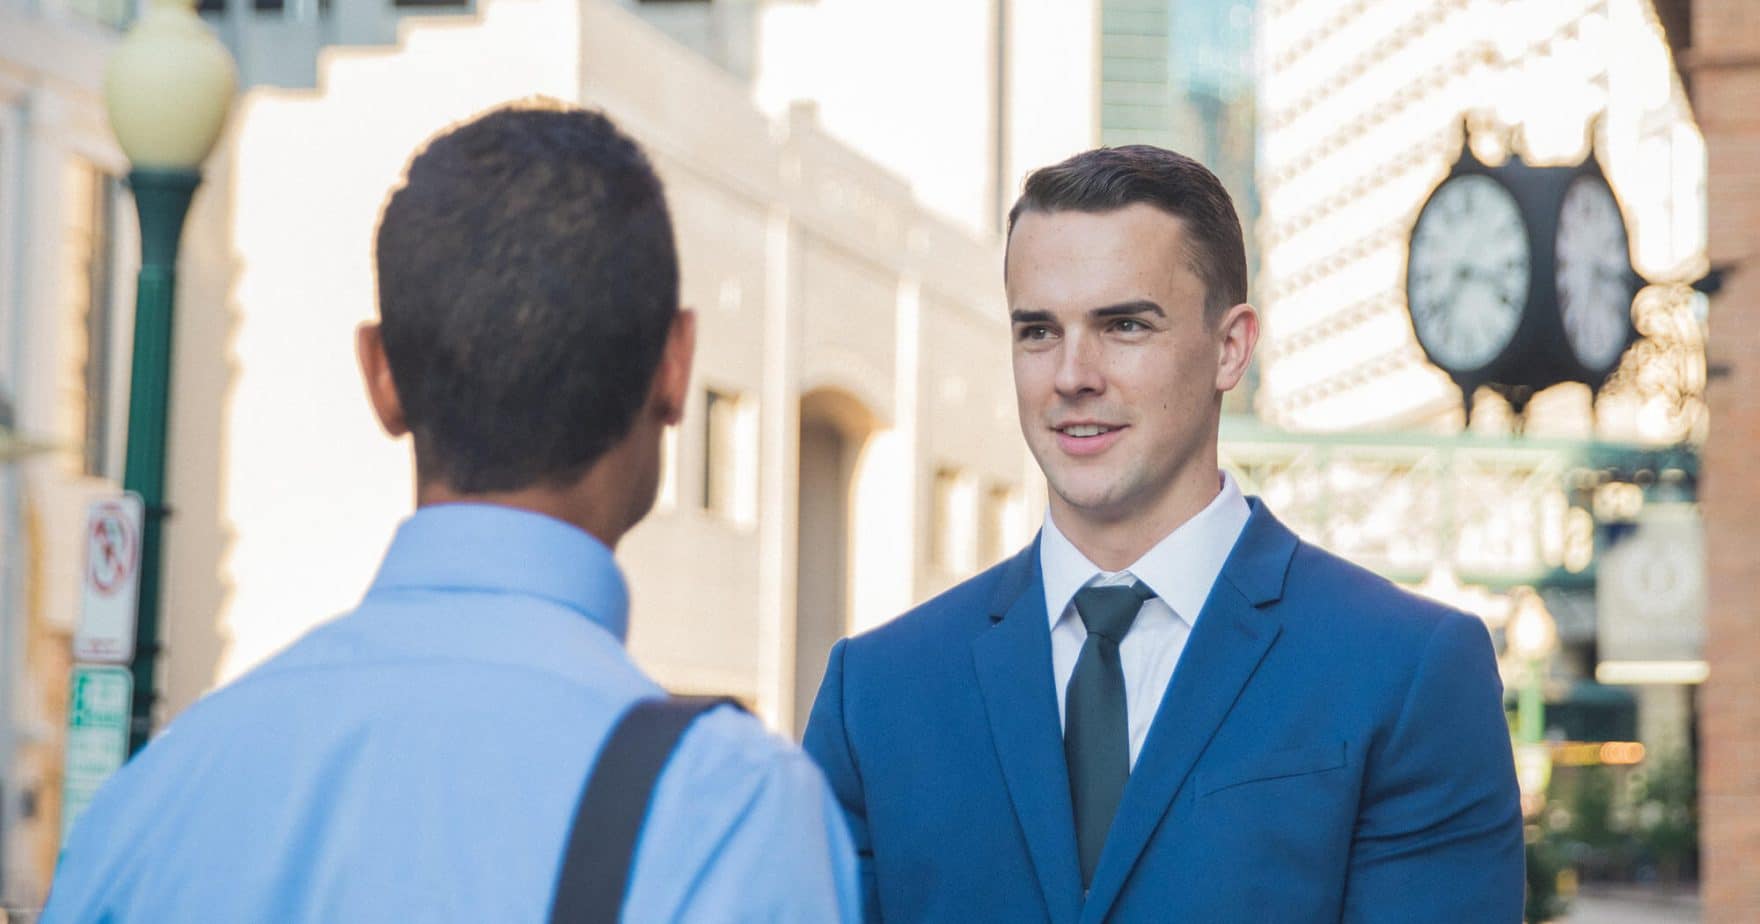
{"points": [[1605, 904]]}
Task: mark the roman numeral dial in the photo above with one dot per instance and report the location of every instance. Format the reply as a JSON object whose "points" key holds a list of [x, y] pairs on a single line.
{"points": [[1468, 278]]}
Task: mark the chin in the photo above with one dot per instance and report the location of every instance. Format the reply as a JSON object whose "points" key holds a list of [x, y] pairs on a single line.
{"points": [[1095, 501]]}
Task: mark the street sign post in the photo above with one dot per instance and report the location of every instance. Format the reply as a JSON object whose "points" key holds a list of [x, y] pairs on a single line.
{"points": [[110, 580], [97, 735]]}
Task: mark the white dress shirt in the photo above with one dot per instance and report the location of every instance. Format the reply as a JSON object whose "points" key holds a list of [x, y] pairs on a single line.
{"points": [[1180, 569]]}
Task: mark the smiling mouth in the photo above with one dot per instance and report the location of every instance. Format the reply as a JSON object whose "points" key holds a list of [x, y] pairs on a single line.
{"points": [[1087, 439]]}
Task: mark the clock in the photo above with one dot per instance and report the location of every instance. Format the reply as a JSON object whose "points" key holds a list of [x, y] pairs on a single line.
{"points": [[1519, 278], [1594, 275], [1469, 272]]}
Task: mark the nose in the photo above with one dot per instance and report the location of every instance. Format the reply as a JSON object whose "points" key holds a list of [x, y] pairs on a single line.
{"points": [[1078, 368]]}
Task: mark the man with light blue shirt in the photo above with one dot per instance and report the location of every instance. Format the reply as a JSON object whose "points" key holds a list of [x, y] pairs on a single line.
{"points": [[422, 758]]}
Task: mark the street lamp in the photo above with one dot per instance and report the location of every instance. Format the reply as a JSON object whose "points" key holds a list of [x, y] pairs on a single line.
{"points": [[1533, 636], [168, 88]]}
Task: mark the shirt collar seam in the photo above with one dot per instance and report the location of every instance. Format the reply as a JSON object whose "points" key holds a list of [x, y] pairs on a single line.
{"points": [[1056, 549], [578, 607]]}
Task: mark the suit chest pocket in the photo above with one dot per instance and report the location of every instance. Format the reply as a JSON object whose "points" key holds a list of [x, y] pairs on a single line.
{"points": [[1277, 765]]}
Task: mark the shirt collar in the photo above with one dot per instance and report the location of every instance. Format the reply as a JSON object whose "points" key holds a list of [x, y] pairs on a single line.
{"points": [[1181, 568], [486, 547]]}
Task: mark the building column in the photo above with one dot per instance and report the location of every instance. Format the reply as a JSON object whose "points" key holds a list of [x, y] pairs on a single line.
{"points": [[779, 448], [1724, 63]]}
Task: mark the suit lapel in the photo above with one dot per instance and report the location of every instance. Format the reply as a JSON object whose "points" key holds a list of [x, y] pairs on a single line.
{"points": [[1228, 641], [1013, 662]]}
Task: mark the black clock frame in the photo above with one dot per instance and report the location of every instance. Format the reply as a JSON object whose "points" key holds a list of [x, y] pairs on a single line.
{"points": [[1539, 355]]}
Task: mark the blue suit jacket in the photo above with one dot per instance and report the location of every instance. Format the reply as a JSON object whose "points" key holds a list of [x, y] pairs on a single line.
{"points": [[1330, 748]]}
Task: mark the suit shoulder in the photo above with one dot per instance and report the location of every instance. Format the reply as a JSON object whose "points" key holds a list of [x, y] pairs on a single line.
{"points": [[1352, 596], [962, 606]]}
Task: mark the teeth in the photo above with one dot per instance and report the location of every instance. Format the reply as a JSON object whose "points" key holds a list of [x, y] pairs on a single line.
{"points": [[1086, 430]]}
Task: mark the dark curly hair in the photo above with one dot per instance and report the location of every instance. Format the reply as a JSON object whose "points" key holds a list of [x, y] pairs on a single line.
{"points": [[528, 279]]}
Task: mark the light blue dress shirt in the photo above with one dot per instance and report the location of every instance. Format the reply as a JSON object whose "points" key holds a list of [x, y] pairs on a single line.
{"points": [[420, 759]]}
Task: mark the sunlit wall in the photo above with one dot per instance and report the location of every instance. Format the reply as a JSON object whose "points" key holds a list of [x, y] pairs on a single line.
{"points": [[959, 99]]}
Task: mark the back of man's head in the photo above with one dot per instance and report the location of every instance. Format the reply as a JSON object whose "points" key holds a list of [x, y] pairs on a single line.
{"points": [[527, 283]]}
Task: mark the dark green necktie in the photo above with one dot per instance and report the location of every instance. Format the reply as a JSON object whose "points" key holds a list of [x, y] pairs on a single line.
{"points": [[1097, 733]]}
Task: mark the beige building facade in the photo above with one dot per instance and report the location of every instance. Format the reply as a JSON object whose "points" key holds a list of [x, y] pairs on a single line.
{"points": [[66, 265], [851, 446]]}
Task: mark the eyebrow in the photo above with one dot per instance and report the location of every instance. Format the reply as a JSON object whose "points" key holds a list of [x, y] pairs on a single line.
{"points": [[1122, 309]]}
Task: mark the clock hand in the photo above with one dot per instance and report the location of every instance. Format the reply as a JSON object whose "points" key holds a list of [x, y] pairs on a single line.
{"points": [[1431, 307], [1482, 276]]}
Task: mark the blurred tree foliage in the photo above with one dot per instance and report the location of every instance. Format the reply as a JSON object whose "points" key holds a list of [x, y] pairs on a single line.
{"points": [[1621, 824], [1666, 813], [1546, 860]]}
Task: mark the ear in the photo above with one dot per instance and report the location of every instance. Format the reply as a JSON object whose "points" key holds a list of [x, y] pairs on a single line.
{"points": [[672, 380], [369, 348], [1239, 334]]}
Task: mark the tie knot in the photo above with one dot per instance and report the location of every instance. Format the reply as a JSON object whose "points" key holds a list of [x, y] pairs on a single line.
{"points": [[1109, 611]]}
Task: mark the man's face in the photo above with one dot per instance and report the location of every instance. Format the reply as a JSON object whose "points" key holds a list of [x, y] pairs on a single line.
{"points": [[1116, 371]]}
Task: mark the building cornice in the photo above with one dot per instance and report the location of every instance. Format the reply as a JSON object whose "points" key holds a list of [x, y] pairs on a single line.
{"points": [[63, 51]]}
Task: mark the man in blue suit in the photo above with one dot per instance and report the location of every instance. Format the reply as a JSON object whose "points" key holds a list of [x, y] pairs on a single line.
{"points": [[1168, 707]]}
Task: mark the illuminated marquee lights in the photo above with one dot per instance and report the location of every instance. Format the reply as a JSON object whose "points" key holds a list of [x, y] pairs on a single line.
{"points": [[1598, 753]]}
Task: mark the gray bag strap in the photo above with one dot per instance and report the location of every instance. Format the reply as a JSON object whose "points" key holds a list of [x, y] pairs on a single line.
{"points": [[614, 804]]}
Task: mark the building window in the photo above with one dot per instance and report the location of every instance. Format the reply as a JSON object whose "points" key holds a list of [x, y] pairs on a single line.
{"points": [[953, 539], [998, 523], [730, 456], [89, 324]]}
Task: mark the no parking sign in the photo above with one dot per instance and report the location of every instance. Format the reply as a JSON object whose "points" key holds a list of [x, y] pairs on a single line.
{"points": [[111, 580]]}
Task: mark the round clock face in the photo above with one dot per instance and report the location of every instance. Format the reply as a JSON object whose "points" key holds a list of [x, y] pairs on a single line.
{"points": [[1594, 297], [1468, 276]]}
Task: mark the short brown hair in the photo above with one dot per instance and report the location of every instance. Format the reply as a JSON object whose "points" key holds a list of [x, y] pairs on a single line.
{"points": [[1105, 179]]}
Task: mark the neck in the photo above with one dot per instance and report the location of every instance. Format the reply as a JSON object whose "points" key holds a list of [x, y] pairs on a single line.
{"points": [[605, 502], [1115, 540], [555, 503]]}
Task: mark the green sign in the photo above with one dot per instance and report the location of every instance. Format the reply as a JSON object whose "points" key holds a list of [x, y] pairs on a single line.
{"points": [[97, 735]]}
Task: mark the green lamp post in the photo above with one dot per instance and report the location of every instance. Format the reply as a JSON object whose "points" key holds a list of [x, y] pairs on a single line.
{"points": [[1532, 636], [168, 88]]}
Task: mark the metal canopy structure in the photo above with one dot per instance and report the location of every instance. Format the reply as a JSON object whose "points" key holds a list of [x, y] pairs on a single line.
{"points": [[1499, 512]]}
